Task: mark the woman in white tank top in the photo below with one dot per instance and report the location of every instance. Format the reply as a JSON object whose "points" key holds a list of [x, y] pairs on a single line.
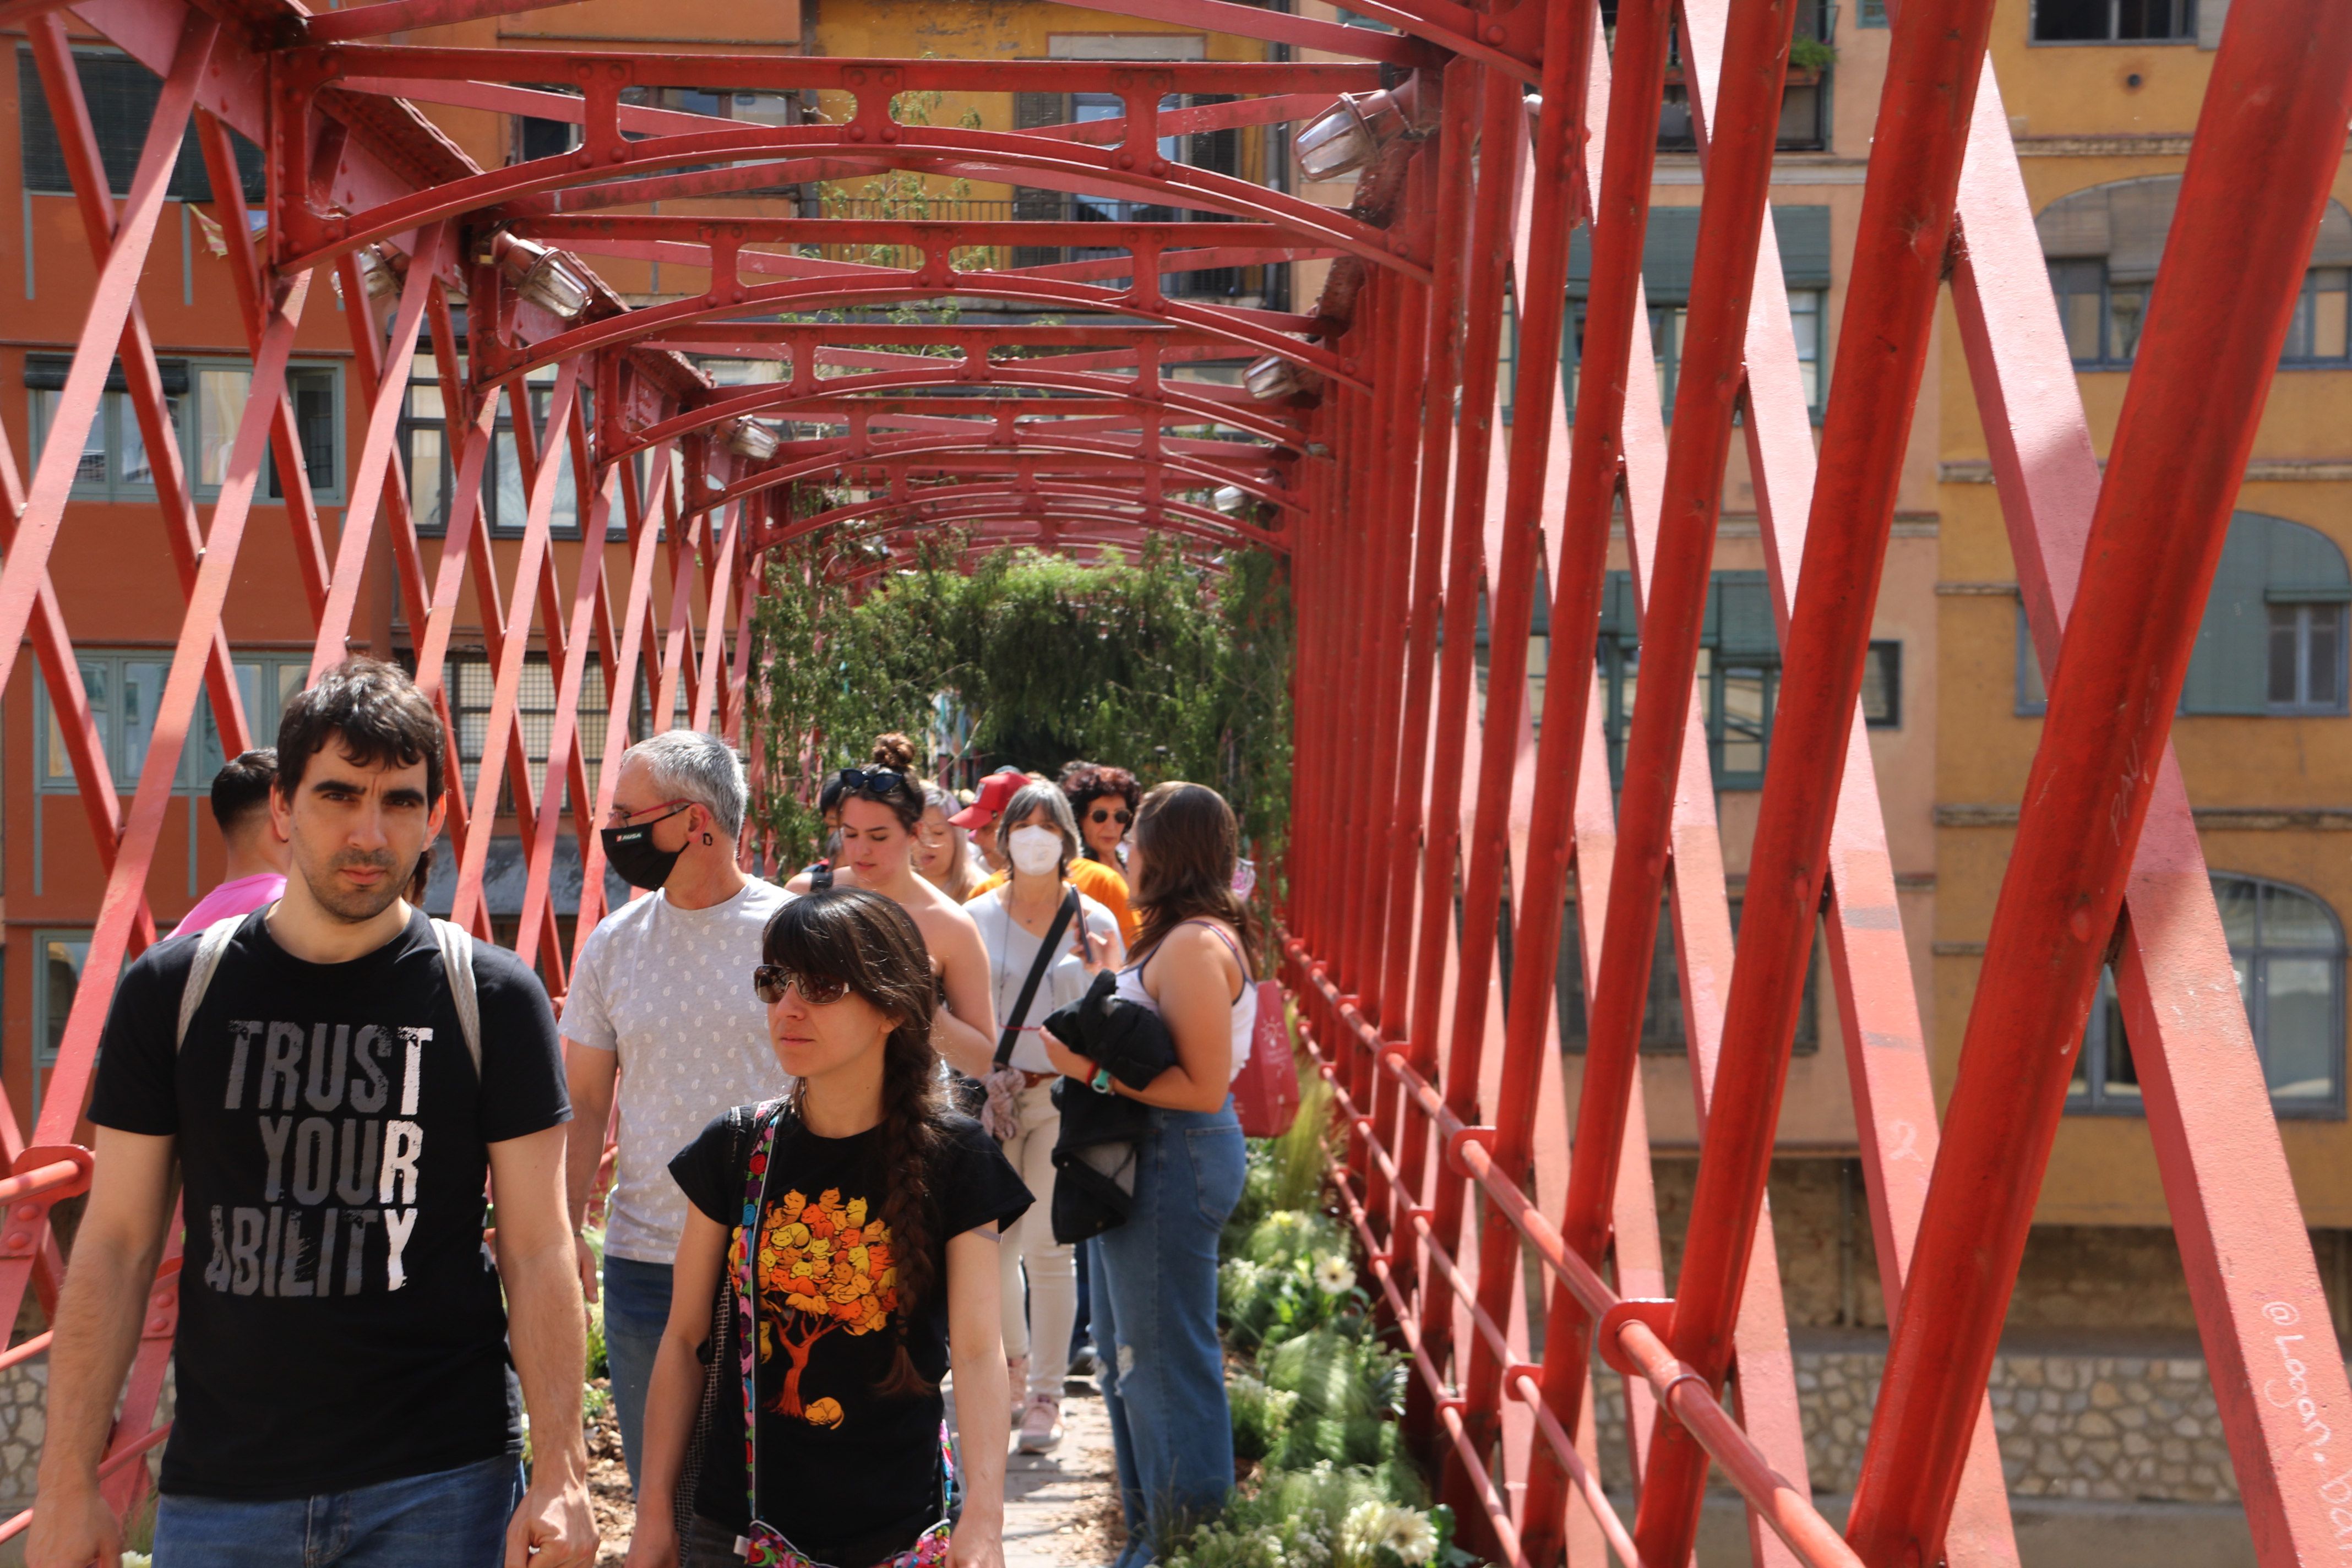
{"points": [[1154, 1278]]}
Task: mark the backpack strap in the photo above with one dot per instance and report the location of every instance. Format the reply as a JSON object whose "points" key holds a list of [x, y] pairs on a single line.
{"points": [[457, 946], [209, 947]]}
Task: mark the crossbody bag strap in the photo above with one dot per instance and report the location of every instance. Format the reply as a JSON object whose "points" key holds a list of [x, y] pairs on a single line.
{"points": [[758, 1170], [209, 949], [1043, 961]]}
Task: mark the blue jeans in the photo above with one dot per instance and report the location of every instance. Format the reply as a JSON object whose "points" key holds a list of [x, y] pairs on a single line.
{"points": [[456, 1517], [1155, 1325], [637, 1310], [1082, 1326]]}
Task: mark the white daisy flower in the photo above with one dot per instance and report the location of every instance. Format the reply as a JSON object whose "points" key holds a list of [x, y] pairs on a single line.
{"points": [[1333, 1277], [1410, 1536]]}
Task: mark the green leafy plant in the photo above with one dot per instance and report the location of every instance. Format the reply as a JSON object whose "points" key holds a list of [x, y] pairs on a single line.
{"points": [[1350, 1391], [1260, 1414], [1815, 55], [1155, 664], [1324, 1516]]}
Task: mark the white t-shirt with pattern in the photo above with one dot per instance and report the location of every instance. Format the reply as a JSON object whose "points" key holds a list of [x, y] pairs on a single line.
{"points": [[670, 990]]}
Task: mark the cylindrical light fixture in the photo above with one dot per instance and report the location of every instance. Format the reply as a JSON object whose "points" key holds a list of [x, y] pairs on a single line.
{"points": [[1351, 133], [1273, 378], [542, 276], [1231, 498], [376, 274], [748, 438]]}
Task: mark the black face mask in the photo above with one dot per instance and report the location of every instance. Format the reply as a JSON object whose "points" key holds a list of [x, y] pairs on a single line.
{"points": [[631, 852]]}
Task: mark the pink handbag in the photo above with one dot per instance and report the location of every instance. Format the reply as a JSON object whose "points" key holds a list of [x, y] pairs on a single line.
{"points": [[1265, 1095]]}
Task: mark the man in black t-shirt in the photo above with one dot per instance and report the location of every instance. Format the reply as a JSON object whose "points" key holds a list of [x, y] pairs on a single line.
{"points": [[334, 1108]]}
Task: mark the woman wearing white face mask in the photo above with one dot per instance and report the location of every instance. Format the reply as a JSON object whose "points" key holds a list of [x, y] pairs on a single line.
{"points": [[1017, 919]]}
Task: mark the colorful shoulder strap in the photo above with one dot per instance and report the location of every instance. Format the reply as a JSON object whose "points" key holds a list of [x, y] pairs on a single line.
{"points": [[764, 1123]]}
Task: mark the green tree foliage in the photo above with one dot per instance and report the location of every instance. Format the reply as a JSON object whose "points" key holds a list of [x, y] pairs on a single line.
{"points": [[1158, 665]]}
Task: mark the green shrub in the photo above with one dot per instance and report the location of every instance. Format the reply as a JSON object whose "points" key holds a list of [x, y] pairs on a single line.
{"points": [[1290, 1272], [1324, 1516], [1216, 1546], [1260, 1415], [1358, 1440], [1337, 1376]]}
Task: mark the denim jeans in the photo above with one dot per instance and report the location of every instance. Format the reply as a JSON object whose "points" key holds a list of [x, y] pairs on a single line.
{"points": [[1155, 1324], [1082, 1336], [637, 1310], [457, 1517]]}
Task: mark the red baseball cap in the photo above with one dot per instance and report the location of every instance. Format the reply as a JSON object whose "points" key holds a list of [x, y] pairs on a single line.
{"points": [[996, 791]]}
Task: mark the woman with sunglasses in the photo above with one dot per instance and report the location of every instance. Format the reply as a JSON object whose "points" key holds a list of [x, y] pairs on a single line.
{"points": [[881, 808], [1104, 800], [1154, 1278], [840, 1248]]}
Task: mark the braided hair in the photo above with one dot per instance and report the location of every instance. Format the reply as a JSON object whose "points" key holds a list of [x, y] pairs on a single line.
{"points": [[870, 943]]}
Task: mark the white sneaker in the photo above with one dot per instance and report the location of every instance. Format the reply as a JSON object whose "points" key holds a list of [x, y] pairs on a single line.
{"points": [[1041, 1425]]}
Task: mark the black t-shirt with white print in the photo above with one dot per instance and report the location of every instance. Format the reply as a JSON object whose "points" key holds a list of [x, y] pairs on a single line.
{"points": [[851, 1475], [340, 1323]]}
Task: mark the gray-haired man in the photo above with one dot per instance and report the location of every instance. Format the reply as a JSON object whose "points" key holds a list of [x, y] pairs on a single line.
{"points": [[662, 998]]}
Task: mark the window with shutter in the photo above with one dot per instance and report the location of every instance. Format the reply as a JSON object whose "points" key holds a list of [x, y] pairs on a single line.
{"points": [[1663, 1033], [122, 95], [2103, 244], [2273, 639], [1669, 246], [1739, 675]]}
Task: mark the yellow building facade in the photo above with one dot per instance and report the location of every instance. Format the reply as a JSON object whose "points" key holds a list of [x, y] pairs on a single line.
{"points": [[2264, 741]]}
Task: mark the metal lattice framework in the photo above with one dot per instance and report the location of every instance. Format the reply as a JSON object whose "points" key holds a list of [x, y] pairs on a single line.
{"points": [[1394, 512]]}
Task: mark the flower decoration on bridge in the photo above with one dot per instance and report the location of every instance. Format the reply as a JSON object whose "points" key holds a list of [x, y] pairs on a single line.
{"points": [[824, 1267]]}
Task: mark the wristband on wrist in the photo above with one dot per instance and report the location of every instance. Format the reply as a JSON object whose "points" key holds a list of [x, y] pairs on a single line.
{"points": [[1101, 1084]]}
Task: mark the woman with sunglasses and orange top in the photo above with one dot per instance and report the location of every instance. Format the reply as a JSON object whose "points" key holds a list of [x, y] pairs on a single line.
{"points": [[1103, 799], [881, 808], [841, 1241]]}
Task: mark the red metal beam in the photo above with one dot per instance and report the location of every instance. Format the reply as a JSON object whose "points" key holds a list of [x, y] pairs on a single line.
{"points": [[2280, 95], [1502, 125]]}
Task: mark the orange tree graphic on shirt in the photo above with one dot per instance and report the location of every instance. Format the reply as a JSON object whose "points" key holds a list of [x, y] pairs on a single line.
{"points": [[824, 1267]]}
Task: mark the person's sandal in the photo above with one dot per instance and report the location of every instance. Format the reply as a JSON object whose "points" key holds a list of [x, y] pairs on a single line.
{"points": [[1041, 1425]]}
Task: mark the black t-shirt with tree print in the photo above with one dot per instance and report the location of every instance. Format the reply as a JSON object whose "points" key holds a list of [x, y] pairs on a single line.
{"points": [[340, 1323], [849, 1475]]}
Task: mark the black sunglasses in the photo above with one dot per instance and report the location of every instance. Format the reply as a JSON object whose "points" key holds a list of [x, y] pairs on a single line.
{"points": [[880, 783], [1104, 813], [769, 980]]}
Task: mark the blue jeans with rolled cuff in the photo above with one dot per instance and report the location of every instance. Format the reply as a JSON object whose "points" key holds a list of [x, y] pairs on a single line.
{"points": [[1155, 1324]]}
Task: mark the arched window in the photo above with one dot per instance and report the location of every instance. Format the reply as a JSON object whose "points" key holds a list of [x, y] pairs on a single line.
{"points": [[2273, 639], [2274, 634], [2103, 245], [2287, 947]]}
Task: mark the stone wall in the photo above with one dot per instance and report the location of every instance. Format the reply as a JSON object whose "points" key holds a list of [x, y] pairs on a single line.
{"points": [[24, 1394], [23, 1390], [2072, 1424]]}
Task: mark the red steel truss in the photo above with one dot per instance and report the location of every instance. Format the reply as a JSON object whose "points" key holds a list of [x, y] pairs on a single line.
{"points": [[1381, 472]]}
